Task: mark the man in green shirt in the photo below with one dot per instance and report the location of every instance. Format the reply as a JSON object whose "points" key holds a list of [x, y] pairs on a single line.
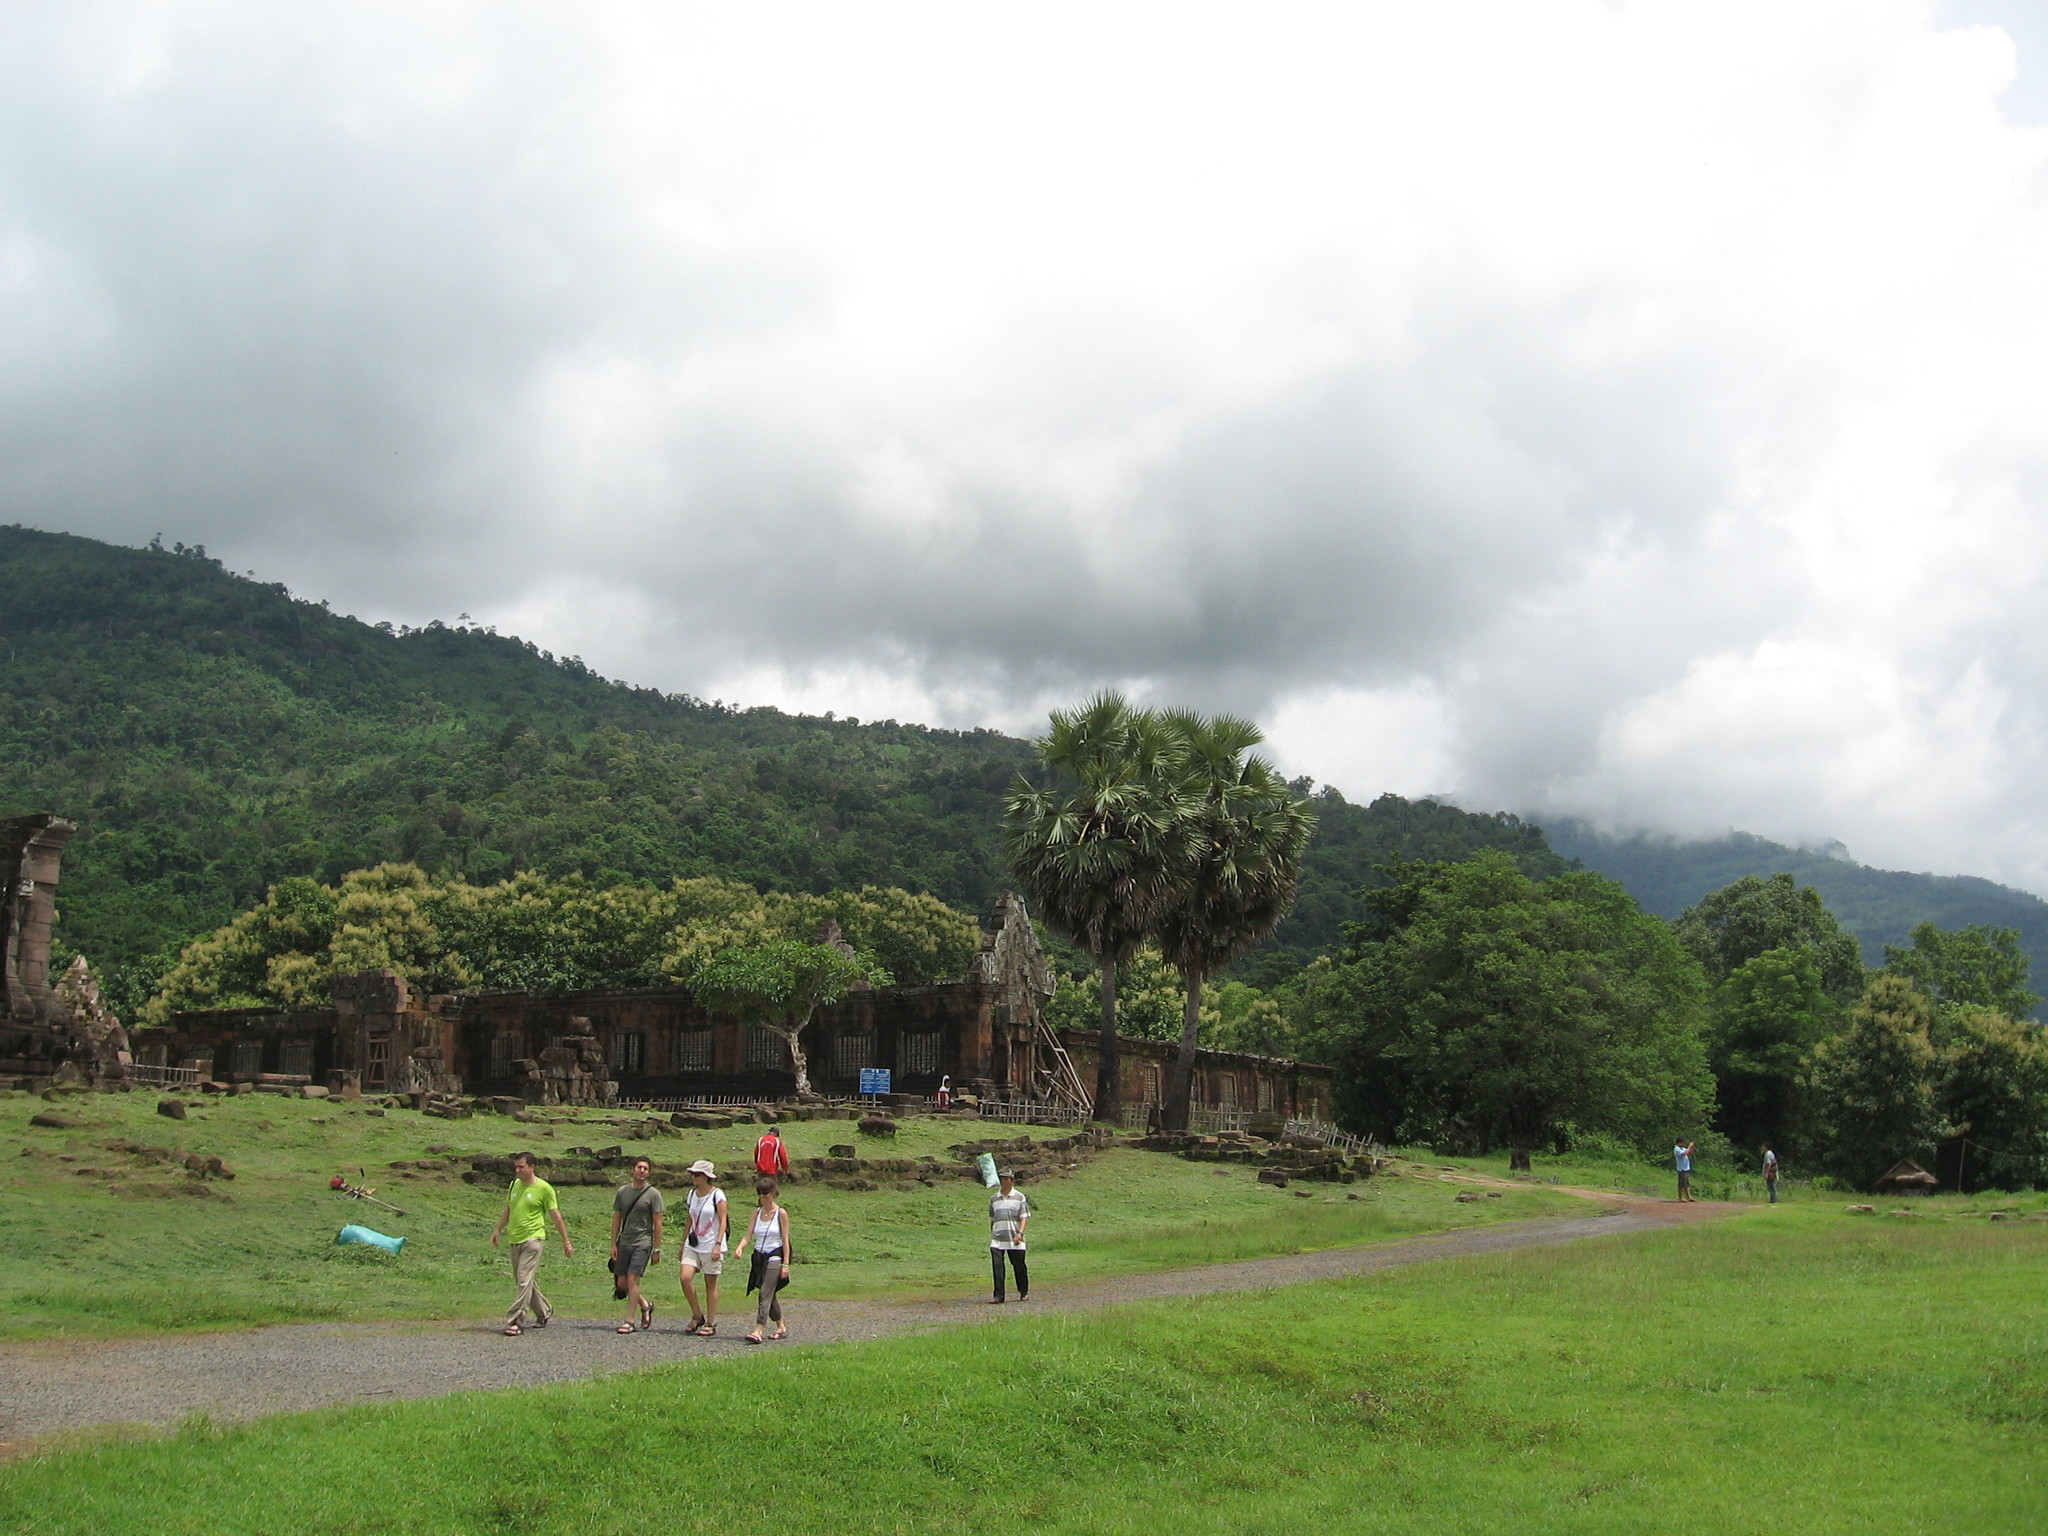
{"points": [[524, 1222]]}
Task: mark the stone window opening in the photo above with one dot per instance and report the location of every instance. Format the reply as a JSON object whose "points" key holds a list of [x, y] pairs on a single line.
{"points": [[693, 1050], [766, 1050], [923, 1052], [852, 1049], [1265, 1095], [505, 1049], [248, 1058], [629, 1051], [295, 1058]]}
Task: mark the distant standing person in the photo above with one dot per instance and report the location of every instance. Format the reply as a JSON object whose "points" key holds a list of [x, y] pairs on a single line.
{"points": [[1682, 1155], [704, 1247], [636, 1241], [523, 1222], [1771, 1173], [769, 1233], [771, 1157], [1008, 1212], [945, 1094]]}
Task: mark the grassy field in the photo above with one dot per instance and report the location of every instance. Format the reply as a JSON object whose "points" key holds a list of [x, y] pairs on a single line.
{"points": [[1638, 1176], [101, 1240], [1787, 1370]]}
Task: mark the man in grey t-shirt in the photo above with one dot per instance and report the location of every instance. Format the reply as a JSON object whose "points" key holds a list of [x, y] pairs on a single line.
{"points": [[636, 1240]]}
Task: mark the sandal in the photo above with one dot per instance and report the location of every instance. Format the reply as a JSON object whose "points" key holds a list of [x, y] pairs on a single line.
{"points": [[707, 1331], [513, 1330], [696, 1325], [646, 1315], [780, 1333], [625, 1328], [750, 1338]]}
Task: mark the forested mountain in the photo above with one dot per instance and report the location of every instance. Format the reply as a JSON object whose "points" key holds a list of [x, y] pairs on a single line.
{"points": [[213, 734], [1352, 849], [1879, 906]]}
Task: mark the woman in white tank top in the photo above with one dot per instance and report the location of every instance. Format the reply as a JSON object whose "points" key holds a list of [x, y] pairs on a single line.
{"points": [[769, 1233]]}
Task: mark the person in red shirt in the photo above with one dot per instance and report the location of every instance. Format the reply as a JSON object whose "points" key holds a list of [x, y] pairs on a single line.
{"points": [[771, 1158]]}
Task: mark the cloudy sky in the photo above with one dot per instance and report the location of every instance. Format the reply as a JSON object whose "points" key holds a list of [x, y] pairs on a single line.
{"points": [[1637, 411]]}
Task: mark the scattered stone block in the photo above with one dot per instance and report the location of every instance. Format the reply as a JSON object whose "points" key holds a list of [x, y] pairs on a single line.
{"points": [[505, 1104], [1467, 1197], [171, 1109], [876, 1125], [843, 1149], [312, 1091], [50, 1120], [1274, 1177], [1862, 1210]]}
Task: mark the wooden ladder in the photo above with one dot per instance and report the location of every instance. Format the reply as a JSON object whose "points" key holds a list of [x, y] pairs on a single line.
{"points": [[1067, 1086]]}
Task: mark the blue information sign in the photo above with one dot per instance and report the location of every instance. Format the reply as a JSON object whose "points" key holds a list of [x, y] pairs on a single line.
{"points": [[874, 1079]]}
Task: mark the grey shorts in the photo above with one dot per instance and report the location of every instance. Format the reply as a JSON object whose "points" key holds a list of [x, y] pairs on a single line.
{"points": [[633, 1261]]}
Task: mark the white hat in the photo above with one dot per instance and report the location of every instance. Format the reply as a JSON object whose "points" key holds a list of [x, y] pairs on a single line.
{"points": [[703, 1167]]}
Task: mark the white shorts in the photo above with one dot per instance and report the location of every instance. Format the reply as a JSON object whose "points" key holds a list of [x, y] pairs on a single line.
{"points": [[704, 1263]]}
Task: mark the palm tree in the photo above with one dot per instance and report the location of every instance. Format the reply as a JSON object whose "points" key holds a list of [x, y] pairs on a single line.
{"points": [[1093, 852], [1238, 879]]}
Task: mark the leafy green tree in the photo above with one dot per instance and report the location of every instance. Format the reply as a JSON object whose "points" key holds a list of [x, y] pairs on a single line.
{"points": [[535, 933], [1476, 1005], [780, 985], [1993, 1092], [1094, 850], [1249, 1019], [1149, 1001], [1730, 927], [1978, 966], [1240, 864], [1871, 1088], [1768, 1015]]}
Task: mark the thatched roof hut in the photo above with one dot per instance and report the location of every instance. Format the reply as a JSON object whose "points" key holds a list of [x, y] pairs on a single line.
{"points": [[1908, 1178]]}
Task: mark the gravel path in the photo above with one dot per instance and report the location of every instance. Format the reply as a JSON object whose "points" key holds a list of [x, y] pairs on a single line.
{"points": [[59, 1386]]}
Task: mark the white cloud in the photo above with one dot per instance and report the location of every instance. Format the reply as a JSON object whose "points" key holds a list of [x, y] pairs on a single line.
{"points": [[1625, 410]]}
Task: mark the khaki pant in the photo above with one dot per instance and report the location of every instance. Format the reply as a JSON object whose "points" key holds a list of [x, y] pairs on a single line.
{"points": [[525, 1274]]}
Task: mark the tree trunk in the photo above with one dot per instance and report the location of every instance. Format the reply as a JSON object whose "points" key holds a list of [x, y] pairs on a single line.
{"points": [[1518, 1159], [1109, 1096], [1180, 1092], [796, 1057]]}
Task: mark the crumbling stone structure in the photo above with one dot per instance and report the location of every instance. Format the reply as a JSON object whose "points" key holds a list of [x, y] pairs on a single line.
{"points": [[986, 1030], [573, 1070], [100, 1044]]}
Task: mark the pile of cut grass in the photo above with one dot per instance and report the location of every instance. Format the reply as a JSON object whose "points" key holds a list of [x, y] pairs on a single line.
{"points": [[1789, 1370]]}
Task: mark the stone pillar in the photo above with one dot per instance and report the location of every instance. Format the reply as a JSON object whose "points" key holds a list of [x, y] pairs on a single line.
{"points": [[31, 851]]}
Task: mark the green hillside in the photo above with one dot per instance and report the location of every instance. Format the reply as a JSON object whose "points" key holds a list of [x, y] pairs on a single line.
{"points": [[1879, 906], [214, 734]]}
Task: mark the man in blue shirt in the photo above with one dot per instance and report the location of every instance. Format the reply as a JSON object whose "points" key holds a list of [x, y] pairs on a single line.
{"points": [[1682, 1155]]}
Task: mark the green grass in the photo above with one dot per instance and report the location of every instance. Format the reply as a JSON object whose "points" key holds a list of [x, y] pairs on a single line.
{"points": [[95, 1241], [1639, 1176], [1790, 1370]]}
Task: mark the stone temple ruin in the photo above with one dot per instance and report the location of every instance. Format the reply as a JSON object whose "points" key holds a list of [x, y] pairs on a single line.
{"points": [[61, 1031], [986, 1030]]}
